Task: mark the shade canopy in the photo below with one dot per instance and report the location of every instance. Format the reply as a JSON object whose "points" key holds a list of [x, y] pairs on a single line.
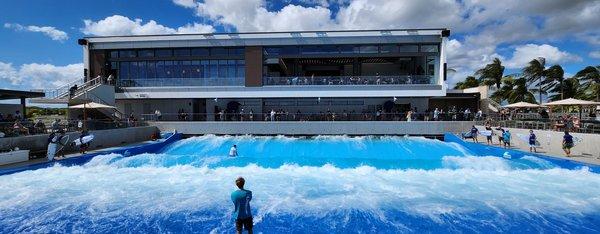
{"points": [[572, 102], [522, 105], [92, 105]]}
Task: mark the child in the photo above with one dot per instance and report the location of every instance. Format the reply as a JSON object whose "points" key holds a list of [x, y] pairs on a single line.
{"points": [[532, 140]]}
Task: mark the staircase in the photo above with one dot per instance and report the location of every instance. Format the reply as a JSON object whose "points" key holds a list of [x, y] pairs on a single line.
{"points": [[94, 90], [492, 105]]}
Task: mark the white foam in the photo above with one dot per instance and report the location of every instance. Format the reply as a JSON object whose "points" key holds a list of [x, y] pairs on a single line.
{"points": [[490, 163]]}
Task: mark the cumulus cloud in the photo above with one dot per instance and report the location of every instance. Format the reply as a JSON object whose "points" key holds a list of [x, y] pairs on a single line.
{"points": [[525, 53], [52, 32], [595, 54], [121, 25], [40, 76]]}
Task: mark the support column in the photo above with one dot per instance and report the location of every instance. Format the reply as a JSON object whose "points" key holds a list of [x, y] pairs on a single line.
{"points": [[23, 108]]}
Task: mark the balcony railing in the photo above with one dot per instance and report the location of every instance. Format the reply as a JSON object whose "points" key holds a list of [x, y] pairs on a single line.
{"points": [[350, 80], [221, 81]]}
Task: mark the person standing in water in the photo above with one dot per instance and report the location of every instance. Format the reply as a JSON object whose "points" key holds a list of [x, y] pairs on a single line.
{"points": [[532, 140], [241, 202], [567, 143], [233, 151]]}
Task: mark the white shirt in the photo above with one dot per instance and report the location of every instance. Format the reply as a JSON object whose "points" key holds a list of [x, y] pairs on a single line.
{"points": [[232, 152]]}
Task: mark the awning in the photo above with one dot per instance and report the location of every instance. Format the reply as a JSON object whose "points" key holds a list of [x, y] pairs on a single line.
{"points": [[572, 102], [91, 105], [521, 105]]}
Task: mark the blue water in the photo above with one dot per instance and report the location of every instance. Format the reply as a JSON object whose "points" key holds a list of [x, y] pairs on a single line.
{"points": [[301, 185]]}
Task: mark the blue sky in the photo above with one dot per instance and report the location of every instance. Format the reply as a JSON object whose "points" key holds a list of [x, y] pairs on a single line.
{"points": [[39, 38]]}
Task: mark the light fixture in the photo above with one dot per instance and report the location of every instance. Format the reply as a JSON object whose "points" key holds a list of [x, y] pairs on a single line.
{"points": [[319, 99], [395, 99], [216, 99]]}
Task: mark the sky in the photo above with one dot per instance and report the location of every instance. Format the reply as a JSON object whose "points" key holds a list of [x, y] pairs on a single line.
{"points": [[38, 39]]}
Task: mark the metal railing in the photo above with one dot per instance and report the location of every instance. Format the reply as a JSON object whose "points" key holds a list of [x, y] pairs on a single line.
{"points": [[297, 116], [222, 81], [350, 80], [62, 91], [28, 127]]}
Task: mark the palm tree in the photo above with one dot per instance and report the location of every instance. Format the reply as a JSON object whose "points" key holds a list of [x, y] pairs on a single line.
{"points": [[492, 73], [590, 78], [555, 76], [569, 88], [534, 72], [470, 82], [521, 93], [508, 84]]}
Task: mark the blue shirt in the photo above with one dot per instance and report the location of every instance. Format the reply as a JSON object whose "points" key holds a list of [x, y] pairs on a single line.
{"points": [[531, 138], [506, 136], [568, 139], [241, 201]]}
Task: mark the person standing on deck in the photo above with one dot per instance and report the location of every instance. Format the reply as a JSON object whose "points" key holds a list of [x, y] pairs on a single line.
{"points": [[532, 140], [488, 127], [506, 138], [241, 202], [474, 132], [567, 143]]}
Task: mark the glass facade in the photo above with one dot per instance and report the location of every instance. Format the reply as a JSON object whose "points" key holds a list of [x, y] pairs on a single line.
{"points": [[181, 69], [271, 51]]}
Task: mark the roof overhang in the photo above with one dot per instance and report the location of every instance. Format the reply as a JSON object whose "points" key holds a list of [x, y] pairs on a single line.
{"points": [[270, 38], [6, 94]]}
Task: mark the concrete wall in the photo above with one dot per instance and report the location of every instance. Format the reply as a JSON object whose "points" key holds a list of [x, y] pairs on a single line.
{"points": [[316, 128], [551, 142], [103, 138]]}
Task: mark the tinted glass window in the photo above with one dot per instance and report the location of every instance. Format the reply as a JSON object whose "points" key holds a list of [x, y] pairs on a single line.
{"points": [[310, 49], [218, 51], [348, 49], [236, 51], [126, 54], [408, 48], [429, 48], [146, 53], [114, 54], [200, 52], [272, 50], [182, 52], [388, 49], [289, 50], [164, 53], [151, 69], [368, 49]]}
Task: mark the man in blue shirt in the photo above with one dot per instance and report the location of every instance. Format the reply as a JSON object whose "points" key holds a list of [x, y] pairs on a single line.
{"points": [[568, 143], [241, 201]]}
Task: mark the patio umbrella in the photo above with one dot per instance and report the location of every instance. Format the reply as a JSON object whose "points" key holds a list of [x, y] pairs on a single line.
{"points": [[92, 105], [522, 105], [573, 102]]}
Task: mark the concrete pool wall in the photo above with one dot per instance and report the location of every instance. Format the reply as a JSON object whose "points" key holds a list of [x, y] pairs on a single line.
{"points": [[416, 128]]}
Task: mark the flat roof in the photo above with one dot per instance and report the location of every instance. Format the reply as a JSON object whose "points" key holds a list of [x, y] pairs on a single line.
{"points": [[6, 94], [432, 35]]}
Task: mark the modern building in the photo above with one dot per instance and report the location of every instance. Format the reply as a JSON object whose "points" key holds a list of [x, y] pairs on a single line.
{"points": [[353, 71]]}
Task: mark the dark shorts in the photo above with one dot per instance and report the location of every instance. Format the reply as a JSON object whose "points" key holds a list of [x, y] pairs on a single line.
{"points": [[245, 223], [567, 145]]}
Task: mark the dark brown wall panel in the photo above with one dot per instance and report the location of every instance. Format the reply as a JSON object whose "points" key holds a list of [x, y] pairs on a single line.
{"points": [[97, 61], [254, 65]]}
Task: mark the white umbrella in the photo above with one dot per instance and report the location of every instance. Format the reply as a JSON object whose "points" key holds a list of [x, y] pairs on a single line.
{"points": [[572, 102], [92, 105], [521, 105]]}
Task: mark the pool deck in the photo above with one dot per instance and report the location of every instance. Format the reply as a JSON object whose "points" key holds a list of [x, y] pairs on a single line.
{"points": [[589, 159], [73, 155]]}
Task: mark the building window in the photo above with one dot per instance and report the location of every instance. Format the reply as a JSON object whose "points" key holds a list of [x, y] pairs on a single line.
{"points": [[182, 52], [348, 49], [241, 68], [290, 50], [160, 69], [310, 50], [369, 49], [151, 69], [222, 68], [200, 52], [408, 48], [127, 54], [218, 51], [142, 70], [214, 68], [195, 69], [205, 68], [164, 53], [133, 70], [146, 53], [236, 51], [388, 49], [169, 69], [114, 54], [272, 51], [124, 71], [429, 48]]}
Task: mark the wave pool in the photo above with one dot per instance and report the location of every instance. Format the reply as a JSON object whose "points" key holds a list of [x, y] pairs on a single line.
{"points": [[304, 185]]}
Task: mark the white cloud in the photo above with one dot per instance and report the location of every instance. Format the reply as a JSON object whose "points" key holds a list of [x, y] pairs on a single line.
{"points": [[595, 54], [185, 3], [40, 76], [121, 25], [525, 53], [51, 32]]}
